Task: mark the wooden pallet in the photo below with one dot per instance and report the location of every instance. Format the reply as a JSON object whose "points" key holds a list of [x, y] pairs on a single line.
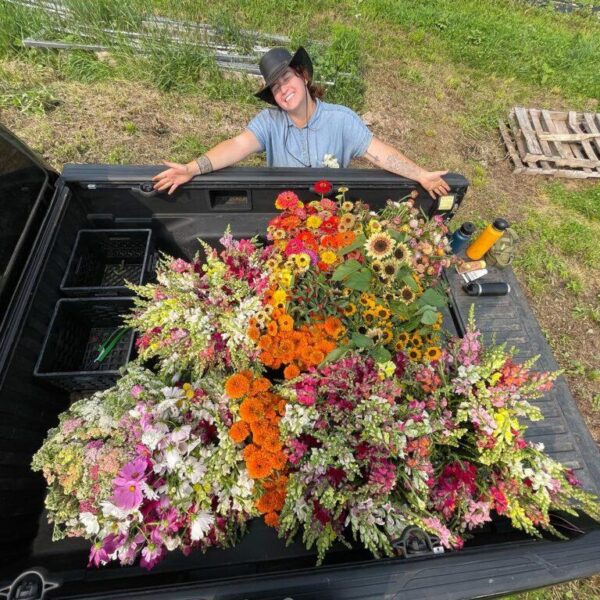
{"points": [[557, 143]]}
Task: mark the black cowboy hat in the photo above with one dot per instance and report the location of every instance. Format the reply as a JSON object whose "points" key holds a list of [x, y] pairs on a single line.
{"points": [[274, 63]]}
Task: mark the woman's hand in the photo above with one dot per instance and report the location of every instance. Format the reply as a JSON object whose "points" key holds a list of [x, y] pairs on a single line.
{"points": [[432, 181], [173, 177]]}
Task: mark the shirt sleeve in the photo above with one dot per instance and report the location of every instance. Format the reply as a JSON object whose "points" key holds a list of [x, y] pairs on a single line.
{"points": [[260, 128], [357, 135]]}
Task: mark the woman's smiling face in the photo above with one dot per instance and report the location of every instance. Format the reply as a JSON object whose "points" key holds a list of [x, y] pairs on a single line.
{"points": [[289, 90]]}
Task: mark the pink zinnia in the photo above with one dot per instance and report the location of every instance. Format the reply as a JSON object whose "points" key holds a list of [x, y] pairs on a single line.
{"points": [[286, 200]]}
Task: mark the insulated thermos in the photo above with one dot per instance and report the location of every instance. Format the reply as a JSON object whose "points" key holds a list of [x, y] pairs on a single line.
{"points": [[486, 239], [461, 236], [493, 288]]}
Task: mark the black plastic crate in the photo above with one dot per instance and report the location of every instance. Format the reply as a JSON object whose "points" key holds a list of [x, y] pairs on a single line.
{"points": [[77, 329], [104, 259]]}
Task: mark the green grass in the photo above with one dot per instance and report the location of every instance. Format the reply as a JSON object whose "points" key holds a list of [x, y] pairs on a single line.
{"points": [[506, 37], [586, 201]]}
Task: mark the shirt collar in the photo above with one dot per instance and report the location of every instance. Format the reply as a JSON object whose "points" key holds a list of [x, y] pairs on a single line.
{"points": [[311, 121]]}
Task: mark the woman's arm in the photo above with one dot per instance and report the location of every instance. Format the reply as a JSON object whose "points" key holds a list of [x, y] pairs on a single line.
{"points": [[386, 157], [220, 156]]}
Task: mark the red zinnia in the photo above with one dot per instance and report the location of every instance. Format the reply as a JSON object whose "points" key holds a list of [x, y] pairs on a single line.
{"points": [[323, 187]]}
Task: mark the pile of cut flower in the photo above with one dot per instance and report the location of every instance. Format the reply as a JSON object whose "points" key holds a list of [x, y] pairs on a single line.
{"points": [[308, 381]]}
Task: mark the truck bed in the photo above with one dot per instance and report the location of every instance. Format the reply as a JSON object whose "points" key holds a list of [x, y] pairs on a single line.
{"points": [[497, 561]]}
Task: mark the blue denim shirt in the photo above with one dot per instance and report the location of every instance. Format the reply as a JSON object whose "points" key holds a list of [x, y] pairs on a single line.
{"points": [[332, 129]]}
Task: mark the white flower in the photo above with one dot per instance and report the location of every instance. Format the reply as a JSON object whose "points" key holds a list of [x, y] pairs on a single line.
{"points": [[90, 523], [149, 492], [151, 437], [172, 457], [201, 525], [330, 161]]}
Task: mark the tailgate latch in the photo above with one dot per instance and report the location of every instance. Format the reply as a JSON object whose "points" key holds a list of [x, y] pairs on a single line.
{"points": [[30, 585], [416, 542]]}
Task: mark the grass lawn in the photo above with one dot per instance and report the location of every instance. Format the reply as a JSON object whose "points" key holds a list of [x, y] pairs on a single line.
{"points": [[430, 77]]}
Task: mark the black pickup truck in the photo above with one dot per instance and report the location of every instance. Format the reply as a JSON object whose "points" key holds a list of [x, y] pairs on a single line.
{"points": [[41, 215]]}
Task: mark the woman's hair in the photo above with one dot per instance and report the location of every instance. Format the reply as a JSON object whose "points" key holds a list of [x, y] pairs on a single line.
{"points": [[315, 91]]}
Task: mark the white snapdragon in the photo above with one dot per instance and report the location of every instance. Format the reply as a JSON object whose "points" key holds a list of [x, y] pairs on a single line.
{"points": [[201, 525]]}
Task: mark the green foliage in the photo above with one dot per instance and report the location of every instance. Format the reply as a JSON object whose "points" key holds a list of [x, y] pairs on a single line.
{"points": [[584, 201], [503, 37], [33, 101]]}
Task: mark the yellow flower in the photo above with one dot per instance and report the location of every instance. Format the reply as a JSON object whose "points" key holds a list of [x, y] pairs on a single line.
{"points": [[313, 222], [302, 260], [285, 278], [278, 234], [279, 296], [505, 426], [347, 205], [328, 257], [415, 354], [379, 245], [350, 310], [374, 226], [433, 353]]}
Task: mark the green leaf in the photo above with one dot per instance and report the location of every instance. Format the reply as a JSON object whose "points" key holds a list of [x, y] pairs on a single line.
{"points": [[361, 341], [411, 283], [335, 354], [433, 297], [381, 354], [357, 243], [345, 270], [429, 317], [397, 235], [360, 280]]}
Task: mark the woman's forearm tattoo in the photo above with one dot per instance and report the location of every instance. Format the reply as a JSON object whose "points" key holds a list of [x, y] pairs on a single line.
{"points": [[395, 164], [204, 164]]}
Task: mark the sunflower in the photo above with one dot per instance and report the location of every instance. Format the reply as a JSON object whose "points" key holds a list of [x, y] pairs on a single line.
{"points": [[377, 266], [433, 353], [402, 338], [382, 312], [350, 309], [416, 340], [379, 245], [402, 253], [406, 295], [369, 316], [390, 268], [374, 226], [387, 336], [237, 386], [415, 354]]}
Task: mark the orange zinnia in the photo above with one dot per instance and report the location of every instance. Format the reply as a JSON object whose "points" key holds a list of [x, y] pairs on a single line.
{"points": [[332, 326], [237, 386], [259, 464], [316, 357], [272, 328], [252, 410], [253, 333], [239, 432], [286, 323]]}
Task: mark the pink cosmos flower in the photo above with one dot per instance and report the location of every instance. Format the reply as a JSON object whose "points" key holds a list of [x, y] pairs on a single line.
{"points": [[127, 485], [100, 552]]}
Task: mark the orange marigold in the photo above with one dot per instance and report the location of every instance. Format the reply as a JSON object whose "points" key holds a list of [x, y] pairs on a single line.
{"points": [[237, 386], [278, 460], [316, 357], [266, 358], [249, 450], [262, 384], [332, 326], [272, 519], [252, 410], [259, 464], [291, 371], [268, 502], [239, 432]]}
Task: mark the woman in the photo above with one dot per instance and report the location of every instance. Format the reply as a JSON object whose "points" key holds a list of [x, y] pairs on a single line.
{"points": [[300, 131]]}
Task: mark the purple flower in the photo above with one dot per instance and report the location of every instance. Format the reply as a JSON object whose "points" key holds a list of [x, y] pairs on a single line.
{"points": [[100, 552], [127, 484]]}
